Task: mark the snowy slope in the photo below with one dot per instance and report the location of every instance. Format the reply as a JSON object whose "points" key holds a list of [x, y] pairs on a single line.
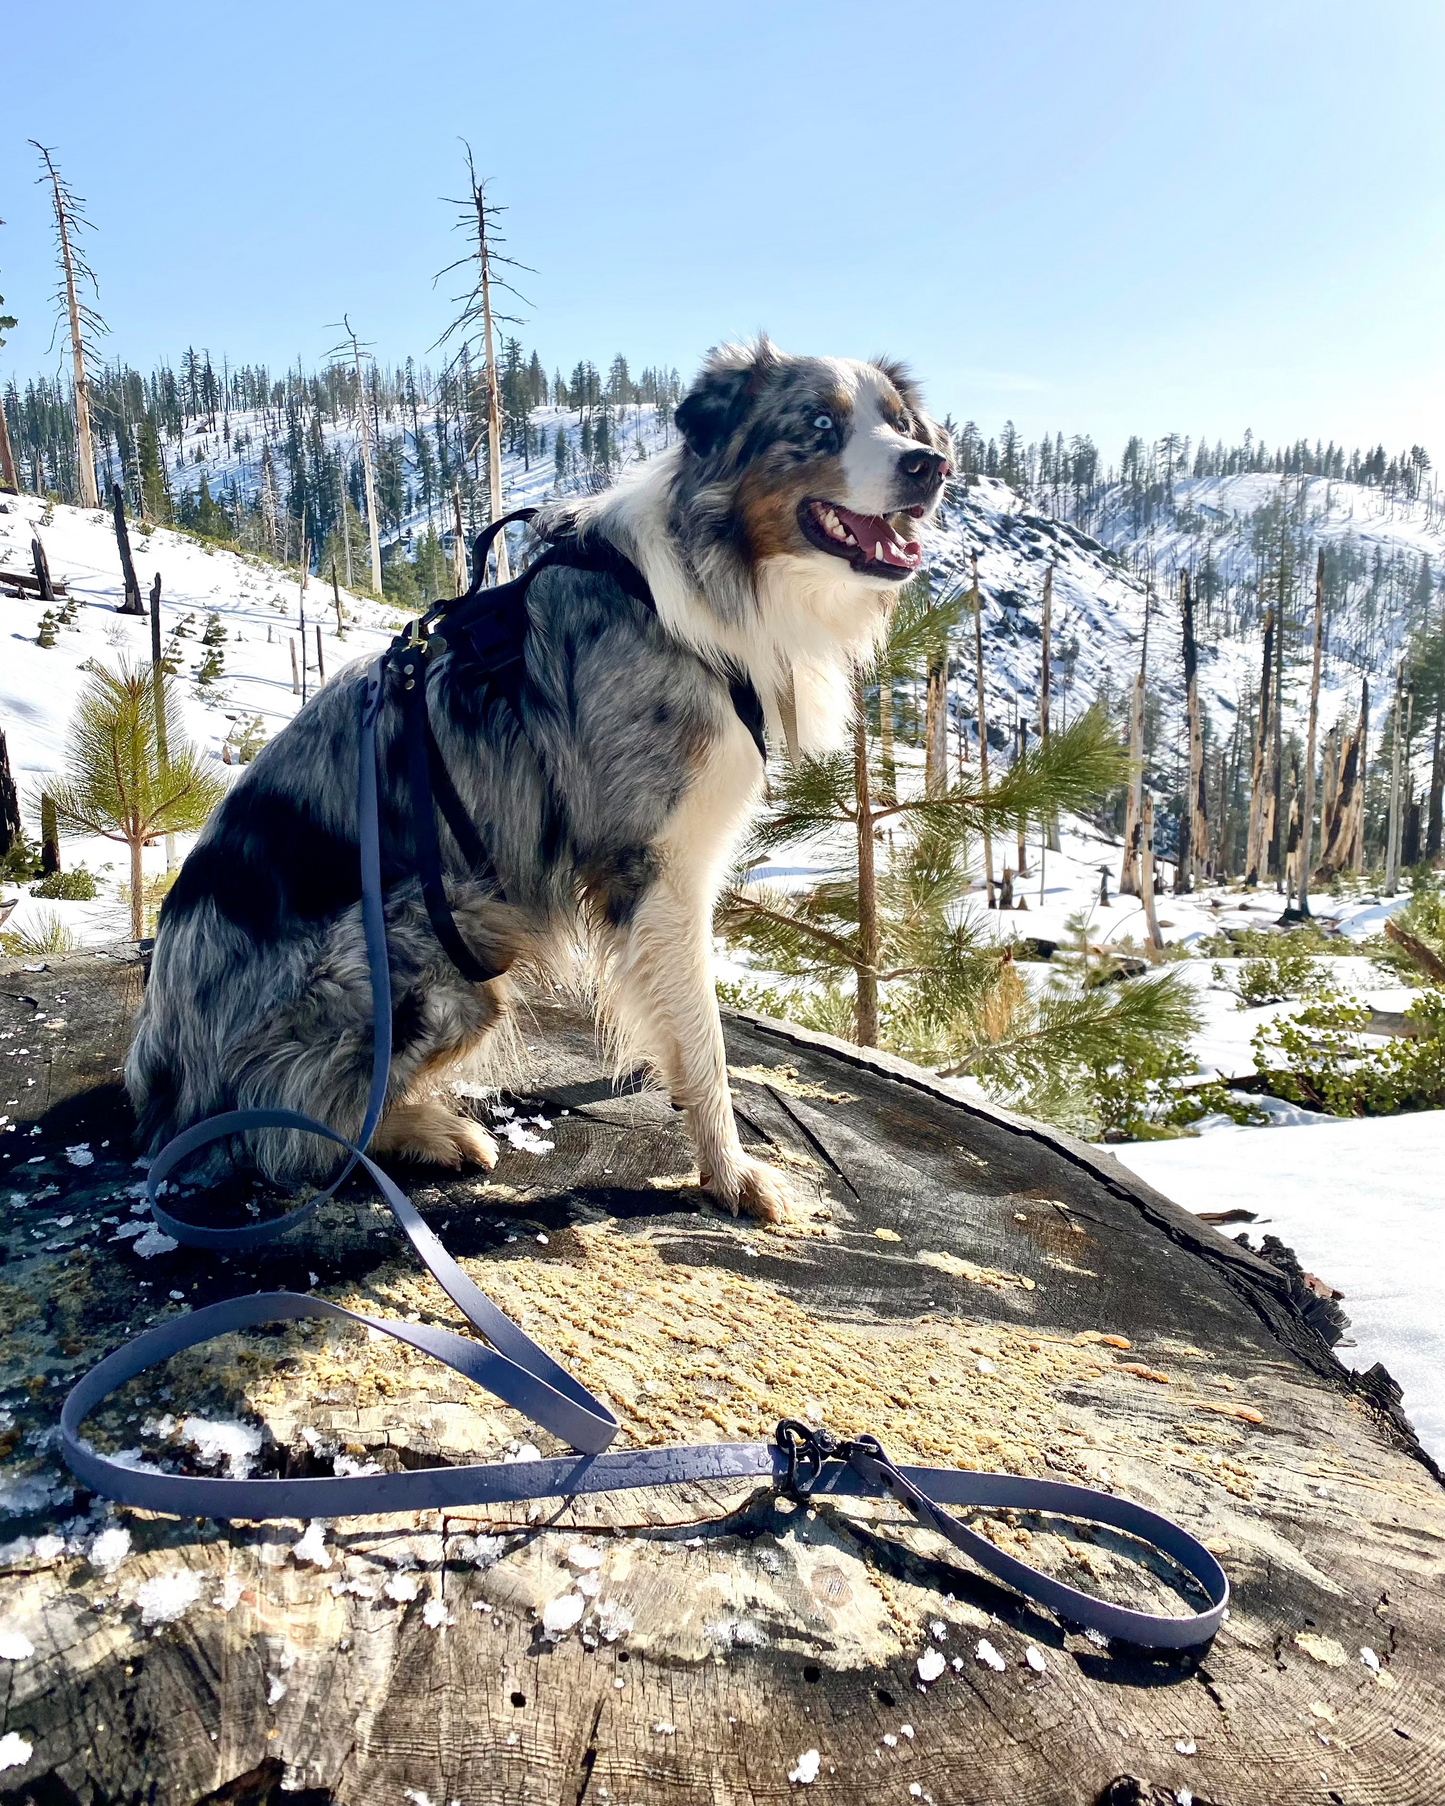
{"points": [[258, 605]]}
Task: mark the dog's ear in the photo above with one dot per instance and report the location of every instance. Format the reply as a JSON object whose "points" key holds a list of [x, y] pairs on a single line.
{"points": [[710, 411], [714, 406]]}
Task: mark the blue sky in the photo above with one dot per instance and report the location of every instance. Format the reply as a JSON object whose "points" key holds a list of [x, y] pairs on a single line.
{"points": [[1112, 217]]}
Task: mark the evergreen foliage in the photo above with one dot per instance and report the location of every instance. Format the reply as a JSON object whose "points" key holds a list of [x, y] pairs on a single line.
{"points": [[114, 782]]}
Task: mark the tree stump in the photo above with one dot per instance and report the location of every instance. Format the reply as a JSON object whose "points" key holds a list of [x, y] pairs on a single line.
{"points": [[972, 1288]]}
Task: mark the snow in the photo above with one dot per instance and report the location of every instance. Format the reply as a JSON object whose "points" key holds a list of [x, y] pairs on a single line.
{"points": [[237, 1444], [805, 1772], [14, 1750], [110, 1549], [311, 1548], [15, 1646], [931, 1664], [559, 1615], [167, 1597], [1361, 1204]]}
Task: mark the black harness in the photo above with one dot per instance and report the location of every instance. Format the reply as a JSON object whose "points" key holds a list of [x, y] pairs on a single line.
{"points": [[489, 627]]}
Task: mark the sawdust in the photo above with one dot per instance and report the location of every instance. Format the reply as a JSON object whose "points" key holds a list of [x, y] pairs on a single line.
{"points": [[786, 1080], [979, 1276], [685, 1354]]}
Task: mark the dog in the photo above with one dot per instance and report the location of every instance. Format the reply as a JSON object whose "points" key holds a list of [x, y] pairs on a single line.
{"points": [[609, 790]]}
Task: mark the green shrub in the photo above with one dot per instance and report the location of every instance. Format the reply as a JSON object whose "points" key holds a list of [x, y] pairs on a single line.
{"points": [[49, 935], [1273, 978], [1322, 1058], [1140, 1099], [22, 862], [67, 887]]}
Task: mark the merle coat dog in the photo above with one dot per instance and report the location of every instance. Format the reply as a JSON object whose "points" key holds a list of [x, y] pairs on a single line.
{"points": [[609, 789]]}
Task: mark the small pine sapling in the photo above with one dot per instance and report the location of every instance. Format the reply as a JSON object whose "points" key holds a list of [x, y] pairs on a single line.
{"points": [[115, 782]]}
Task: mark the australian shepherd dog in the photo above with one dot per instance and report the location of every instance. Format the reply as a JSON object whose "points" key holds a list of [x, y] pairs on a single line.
{"points": [[609, 791]]}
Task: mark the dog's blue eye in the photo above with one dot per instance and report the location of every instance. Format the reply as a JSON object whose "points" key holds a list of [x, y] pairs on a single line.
{"points": [[824, 423]]}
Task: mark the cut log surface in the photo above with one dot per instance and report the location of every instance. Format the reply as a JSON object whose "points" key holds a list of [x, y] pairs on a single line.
{"points": [[972, 1288]]}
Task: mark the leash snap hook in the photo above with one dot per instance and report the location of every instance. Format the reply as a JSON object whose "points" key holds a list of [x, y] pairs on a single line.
{"points": [[807, 1449]]}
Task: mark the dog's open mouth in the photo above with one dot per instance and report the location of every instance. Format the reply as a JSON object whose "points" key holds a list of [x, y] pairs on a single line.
{"points": [[870, 542]]}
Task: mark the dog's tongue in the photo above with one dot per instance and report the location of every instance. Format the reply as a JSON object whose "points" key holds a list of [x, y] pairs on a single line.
{"points": [[878, 540]]}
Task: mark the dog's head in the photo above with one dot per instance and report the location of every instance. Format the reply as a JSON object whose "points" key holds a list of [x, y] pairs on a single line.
{"points": [[824, 459]]}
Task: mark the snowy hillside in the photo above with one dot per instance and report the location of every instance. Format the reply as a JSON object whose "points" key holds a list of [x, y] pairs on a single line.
{"points": [[257, 606]]}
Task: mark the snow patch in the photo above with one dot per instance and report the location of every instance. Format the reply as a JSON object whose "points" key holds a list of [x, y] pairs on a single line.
{"points": [[225, 1439], [166, 1598], [806, 1771]]}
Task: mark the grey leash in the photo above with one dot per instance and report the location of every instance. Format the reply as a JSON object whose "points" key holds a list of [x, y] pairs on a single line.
{"points": [[801, 1461]]}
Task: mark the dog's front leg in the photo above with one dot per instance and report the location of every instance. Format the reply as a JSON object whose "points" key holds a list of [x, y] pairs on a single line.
{"points": [[664, 994]]}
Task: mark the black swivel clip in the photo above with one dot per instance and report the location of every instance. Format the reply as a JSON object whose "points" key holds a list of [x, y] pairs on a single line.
{"points": [[808, 1449]]}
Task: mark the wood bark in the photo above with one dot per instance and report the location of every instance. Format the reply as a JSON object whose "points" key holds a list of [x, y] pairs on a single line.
{"points": [[43, 579], [494, 423], [158, 703], [1021, 749], [336, 599], [1260, 813], [935, 723], [1307, 809], [1046, 660], [10, 824], [295, 672], [1392, 823], [1146, 870], [1358, 802], [301, 609], [415, 1660], [866, 971], [982, 730], [84, 450], [373, 531], [49, 839], [320, 657], [1133, 802], [459, 544], [133, 604], [8, 479], [885, 735], [1276, 747], [1437, 782], [1193, 861]]}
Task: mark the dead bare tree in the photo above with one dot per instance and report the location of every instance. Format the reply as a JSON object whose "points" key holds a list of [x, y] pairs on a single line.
{"points": [[1307, 809], [353, 346], [982, 730], [1046, 657], [1133, 802], [132, 605], [1261, 813], [83, 320], [1193, 858], [8, 479], [478, 220]]}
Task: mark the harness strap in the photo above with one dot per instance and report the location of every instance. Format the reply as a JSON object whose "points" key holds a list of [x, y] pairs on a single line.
{"points": [[520, 1373]]}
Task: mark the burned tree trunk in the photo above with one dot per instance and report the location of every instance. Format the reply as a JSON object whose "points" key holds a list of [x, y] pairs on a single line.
{"points": [[49, 839], [9, 801], [42, 569], [1051, 825], [1194, 820], [133, 605], [982, 729], [8, 479], [1437, 783], [1146, 869], [1133, 802], [1307, 812], [1261, 822]]}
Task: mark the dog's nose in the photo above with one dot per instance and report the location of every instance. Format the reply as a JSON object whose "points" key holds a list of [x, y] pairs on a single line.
{"points": [[924, 469]]}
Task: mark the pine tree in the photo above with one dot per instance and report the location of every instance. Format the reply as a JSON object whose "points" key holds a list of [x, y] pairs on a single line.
{"points": [[115, 783]]}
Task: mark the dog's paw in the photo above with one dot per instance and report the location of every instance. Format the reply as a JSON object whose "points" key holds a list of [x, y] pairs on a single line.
{"points": [[473, 1144], [435, 1136], [760, 1190]]}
